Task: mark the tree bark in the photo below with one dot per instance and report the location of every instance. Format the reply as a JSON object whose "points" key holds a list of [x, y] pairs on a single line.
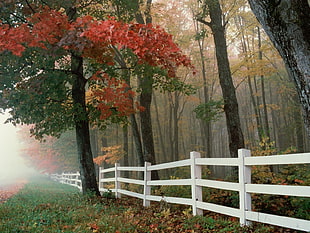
{"points": [[287, 24], [262, 77], [87, 168], [236, 140], [146, 100], [146, 124]]}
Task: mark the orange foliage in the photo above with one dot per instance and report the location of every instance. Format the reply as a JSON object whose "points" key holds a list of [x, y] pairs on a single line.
{"points": [[111, 156]]}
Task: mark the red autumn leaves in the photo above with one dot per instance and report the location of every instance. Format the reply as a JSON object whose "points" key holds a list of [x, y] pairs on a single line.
{"points": [[95, 39]]}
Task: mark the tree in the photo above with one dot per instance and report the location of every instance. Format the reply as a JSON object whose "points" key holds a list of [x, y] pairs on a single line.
{"points": [[287, 24], [213, 8], [63, 58]]}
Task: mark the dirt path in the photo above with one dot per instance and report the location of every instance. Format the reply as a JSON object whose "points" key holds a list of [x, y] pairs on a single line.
{"points": [[7, 191]]}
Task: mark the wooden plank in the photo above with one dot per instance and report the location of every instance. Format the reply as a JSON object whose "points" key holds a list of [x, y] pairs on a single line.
{"points": [[179, 200], [174, 200], [289, 190], [181, 163], [218, 184], [278, 159], [138, 169], [218, 161], [294, 223], [104, 180], [130, 181], [106, 190], [170, 182], [219, 209], [132, 194], [153, 198], [111, 169]]}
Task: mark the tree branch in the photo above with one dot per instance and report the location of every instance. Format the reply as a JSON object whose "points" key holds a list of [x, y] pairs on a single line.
{"points": [[199, 19], [28, 4]]}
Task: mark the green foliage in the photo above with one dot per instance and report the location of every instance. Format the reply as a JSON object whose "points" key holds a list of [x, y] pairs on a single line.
{"points": [[201, 34], [174, 190], [37, 95], [157, 78], [209, 111]]}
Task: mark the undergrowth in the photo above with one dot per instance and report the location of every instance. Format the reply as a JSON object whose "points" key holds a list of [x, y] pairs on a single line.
{"points": [[46, 206]]}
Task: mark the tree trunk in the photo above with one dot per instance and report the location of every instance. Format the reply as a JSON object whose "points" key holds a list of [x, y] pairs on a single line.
{"points": [[160, 134], [126, 149], [146, 123], [265, 112], [205, 126], [176, 127], [287, 24], [146, 100], [235, 134], [87, 168]]}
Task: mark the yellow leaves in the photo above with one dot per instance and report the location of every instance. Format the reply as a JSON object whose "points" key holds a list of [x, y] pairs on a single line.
{"points": [[187, 213]]}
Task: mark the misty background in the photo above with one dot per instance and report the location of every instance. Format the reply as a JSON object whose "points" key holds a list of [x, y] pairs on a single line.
{"points": [[13, 167]]}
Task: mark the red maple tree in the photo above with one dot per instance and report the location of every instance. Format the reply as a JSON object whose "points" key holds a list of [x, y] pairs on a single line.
{"points": [[95, 39]]}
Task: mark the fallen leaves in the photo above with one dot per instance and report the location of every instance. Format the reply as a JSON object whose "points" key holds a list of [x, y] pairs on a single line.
{"points": [[7, 191]]}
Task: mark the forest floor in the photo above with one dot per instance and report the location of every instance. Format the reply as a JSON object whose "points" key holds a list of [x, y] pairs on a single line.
{"points": [[46, 206]]}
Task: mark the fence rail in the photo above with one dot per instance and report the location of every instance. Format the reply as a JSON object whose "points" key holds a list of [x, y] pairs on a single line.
{"points": [[72, 179], [244, 187]]}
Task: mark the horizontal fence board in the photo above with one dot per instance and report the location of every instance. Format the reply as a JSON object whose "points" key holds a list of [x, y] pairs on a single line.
{"points": [[130, 181], [219, 209], [106, 170], [170, 182], [107, 179], [289, 190], [295, 223], [178, 200], [218, 161], [218, 184], [106, 190], [136, 169], [129, 193], [174, 200], [154, 198], [278, 159], [181, 163]]}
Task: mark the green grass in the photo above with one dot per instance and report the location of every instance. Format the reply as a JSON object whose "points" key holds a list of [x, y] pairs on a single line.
{"points": [[46, 206]]}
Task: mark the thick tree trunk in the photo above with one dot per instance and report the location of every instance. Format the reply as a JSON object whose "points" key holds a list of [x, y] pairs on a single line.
{"points": [[146, 124], [235, 134], [287, 24], [146, 100], [87, 168]]}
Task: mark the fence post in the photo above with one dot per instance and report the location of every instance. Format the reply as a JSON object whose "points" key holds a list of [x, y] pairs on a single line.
{"points": [[146, 188], [244, 178], [63, 178], [196, 190], [117, 183], [101, 176]]}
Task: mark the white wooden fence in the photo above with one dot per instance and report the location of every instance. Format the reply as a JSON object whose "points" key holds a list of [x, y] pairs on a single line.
{"points": [[72, 179], [244, 186], [244, 162]]}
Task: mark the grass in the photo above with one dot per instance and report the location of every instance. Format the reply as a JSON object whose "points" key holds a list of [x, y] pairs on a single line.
{"points": [[46, 206]]}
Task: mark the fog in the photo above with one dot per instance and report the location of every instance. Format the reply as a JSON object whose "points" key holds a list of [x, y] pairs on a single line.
{"points": [[12, 166]]}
